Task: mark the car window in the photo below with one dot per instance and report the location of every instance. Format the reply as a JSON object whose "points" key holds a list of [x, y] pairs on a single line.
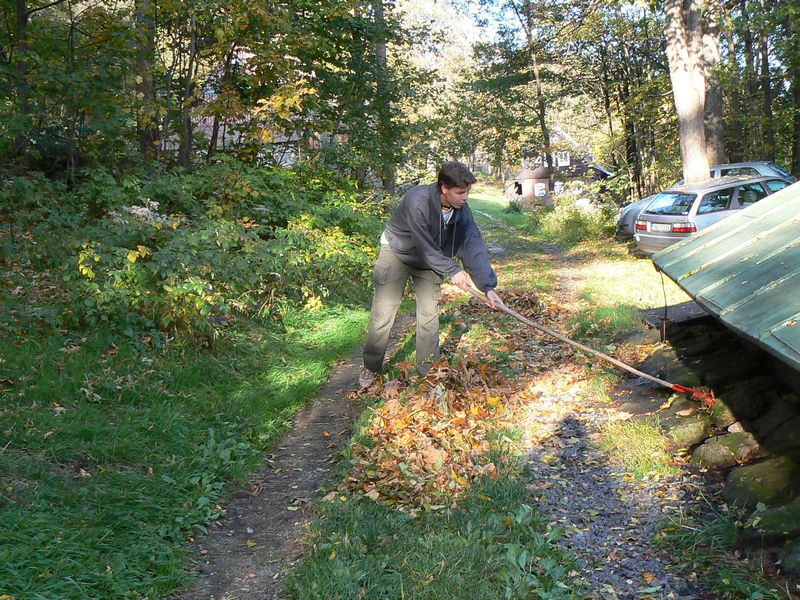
{"points": [[715, 201], [747, 171], [751, 193], [779, 170], [671, 203], [776, 184]]}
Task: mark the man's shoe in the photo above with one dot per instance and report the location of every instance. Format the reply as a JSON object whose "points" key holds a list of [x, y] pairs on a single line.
{"points": [[366, 378]]}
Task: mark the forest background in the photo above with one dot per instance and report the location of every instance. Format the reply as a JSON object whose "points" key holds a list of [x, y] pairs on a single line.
{"points": [[186, 110], [155, 242]]}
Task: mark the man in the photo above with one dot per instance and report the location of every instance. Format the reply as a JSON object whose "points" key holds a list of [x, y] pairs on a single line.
{"points": [[431, 225]]}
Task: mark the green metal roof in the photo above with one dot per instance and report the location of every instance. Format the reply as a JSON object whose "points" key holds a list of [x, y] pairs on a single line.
{"points": [[745, 270]]}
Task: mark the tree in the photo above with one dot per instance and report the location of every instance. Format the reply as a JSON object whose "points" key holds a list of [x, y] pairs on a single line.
{"points": [[683, 32], [714, 101]]}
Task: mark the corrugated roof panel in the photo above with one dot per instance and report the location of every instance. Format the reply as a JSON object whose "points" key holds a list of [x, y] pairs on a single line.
{"points": [[761, 312], [751, 277], [739, 258], [746, 271]]}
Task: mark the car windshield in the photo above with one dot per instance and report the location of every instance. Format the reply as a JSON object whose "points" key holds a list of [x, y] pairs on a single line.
{"points": [[671, 203]]}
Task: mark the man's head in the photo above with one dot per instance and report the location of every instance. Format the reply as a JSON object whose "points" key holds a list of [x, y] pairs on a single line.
{"points": [[455, 180]]}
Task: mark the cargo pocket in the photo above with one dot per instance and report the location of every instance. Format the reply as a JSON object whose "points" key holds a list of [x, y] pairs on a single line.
{"points": [[381, 274]]}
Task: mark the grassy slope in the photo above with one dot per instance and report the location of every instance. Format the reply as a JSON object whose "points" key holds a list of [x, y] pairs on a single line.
{"points": [[111, 454]]}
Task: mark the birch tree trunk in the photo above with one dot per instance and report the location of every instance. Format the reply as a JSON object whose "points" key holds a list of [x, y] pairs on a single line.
{"points": [[684, 38]]}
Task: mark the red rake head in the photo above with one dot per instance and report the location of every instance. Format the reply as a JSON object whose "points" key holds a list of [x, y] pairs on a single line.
{"points": [[704, 396]]}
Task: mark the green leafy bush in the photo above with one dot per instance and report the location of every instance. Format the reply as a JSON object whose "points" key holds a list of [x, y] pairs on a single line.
{"points": [[183, 253], [573, 219]]}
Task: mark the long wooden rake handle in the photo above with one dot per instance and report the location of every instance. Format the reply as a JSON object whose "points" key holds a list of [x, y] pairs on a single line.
{"points": [[699, 394]]}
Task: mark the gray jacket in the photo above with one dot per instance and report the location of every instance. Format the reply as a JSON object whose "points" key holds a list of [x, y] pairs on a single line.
{"points": [[417, 235]]}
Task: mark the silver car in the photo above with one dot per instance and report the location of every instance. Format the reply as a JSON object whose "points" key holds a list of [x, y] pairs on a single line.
{"points": [[751, 169], [626, 218], [628, 214], [680, 211]]}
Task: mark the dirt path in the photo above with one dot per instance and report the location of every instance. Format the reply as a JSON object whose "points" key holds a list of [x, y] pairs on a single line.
{"points": [[260, 537]]}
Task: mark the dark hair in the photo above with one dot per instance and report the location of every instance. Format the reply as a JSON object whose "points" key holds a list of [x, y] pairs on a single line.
{"points": [[455, 174]]}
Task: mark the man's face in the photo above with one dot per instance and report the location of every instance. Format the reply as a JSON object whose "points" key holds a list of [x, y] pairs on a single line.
{"points": [[454, 196]]}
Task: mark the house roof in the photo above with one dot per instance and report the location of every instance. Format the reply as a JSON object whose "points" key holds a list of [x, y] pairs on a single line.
{"points": [[538, 172], [745, 270]]}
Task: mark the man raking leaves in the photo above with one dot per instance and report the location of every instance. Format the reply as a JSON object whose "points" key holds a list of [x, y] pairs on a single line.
{"points": [[430, 228]]}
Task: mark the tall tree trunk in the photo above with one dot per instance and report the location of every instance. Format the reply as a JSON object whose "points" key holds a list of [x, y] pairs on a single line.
{"points": [[766, 90], [733, 143], [604, 87], [753, 132], [187, 141], [147, 113], [383, 104], [795, 166], [23, 93], [714, 119], [793, 28], [542, 112], [684, 37]]}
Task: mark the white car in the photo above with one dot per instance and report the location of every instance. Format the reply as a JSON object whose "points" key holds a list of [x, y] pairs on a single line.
{"points": [[682, 210], [628, 214]]}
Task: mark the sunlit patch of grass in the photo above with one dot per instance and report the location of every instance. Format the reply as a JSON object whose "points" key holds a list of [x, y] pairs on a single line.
{"points": [[604, 323], [600, 383], [707, 543], [630, 281], [639, 446]]}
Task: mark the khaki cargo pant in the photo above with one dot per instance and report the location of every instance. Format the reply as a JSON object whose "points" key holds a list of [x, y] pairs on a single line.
{"points": [[390, 279]]}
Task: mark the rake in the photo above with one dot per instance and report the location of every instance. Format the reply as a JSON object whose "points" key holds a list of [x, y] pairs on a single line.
{"points": [[698, 394]]}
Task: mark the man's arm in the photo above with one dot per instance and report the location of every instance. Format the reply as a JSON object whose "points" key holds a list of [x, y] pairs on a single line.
{"points": [[475, 256]]}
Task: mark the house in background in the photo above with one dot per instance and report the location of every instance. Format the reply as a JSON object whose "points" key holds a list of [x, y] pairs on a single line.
{"points": [[536, 183]]}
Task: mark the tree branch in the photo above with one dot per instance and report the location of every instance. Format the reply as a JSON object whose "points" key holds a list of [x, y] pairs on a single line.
{"points": [[45, 7]]}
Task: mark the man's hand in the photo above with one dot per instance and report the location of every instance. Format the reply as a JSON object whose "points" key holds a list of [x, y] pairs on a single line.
{"points": [[462, 280], [493, 300]]}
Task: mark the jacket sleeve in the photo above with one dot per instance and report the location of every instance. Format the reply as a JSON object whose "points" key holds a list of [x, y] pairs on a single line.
{"points": [[430, 252], [475, 256]]}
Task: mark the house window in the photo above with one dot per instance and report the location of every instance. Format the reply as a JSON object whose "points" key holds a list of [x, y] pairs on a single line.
{"points": [[558, 187], [562, 158], [539, 190]]}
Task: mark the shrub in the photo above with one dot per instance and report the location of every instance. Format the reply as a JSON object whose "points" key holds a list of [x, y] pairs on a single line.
{"points": [[574, 218], [256, 239]]}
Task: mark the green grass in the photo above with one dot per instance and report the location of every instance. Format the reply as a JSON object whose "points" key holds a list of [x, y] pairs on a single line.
{"points": [[640, 447], [604, 323], [493, 546], [624, 279], [708, 543], [112, 454]]}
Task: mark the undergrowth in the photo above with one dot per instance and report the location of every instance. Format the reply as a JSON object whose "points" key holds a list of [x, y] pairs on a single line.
{"points": [[160, 330]]}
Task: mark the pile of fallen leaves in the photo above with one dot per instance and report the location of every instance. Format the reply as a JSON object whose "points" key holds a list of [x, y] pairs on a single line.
{"points": [[427, 443]]}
